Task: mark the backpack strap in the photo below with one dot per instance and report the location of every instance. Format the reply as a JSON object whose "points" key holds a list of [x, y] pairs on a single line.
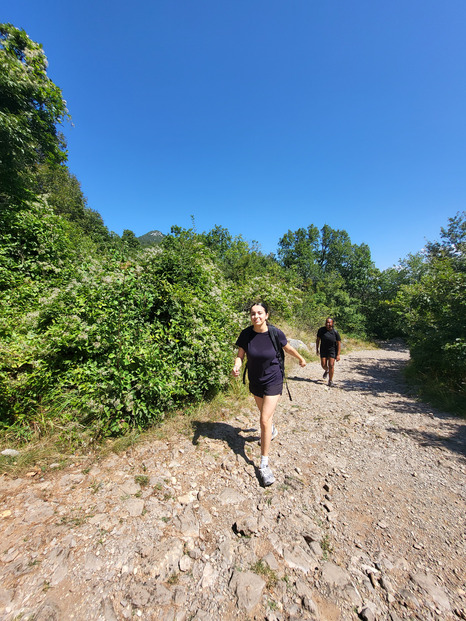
{"points": [[280, 354], [278, 347]]}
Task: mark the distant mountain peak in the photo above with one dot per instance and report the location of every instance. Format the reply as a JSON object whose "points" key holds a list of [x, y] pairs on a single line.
{"points": [[151, 238]]}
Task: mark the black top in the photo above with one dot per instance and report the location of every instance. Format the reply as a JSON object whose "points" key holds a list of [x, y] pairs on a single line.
{"points": [[263, 364], [328, 339]]}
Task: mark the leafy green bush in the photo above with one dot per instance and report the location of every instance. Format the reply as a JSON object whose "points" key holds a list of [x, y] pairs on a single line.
{"points": [[122, 343], [36, 245], [432, 310], [281, 298]]}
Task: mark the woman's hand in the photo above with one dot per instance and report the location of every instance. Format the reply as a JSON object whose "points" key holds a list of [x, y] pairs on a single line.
{"points": [[238, 362], [292, 351]]}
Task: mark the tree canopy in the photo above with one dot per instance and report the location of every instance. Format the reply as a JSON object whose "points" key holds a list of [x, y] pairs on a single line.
{"points": [[31, 109]]}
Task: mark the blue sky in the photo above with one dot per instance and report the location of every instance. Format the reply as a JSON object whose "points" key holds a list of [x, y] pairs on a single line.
{"points": [[263, 116]]}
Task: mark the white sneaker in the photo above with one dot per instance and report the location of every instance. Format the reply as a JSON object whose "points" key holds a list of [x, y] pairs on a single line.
{"points": [[267, 476]]}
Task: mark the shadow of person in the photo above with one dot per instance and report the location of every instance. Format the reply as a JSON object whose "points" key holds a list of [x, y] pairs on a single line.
{"points": [[296, 378], [226, 433]]}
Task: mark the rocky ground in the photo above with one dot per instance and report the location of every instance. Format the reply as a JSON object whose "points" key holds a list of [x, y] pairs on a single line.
{"points": [[366, 519]]}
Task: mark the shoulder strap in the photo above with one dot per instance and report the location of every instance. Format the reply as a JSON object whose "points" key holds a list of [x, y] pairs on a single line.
{"points": [[280, 353], [277, 346]]}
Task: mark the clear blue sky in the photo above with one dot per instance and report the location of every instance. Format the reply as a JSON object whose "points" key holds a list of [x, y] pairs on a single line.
{"points": [[263, 115]]}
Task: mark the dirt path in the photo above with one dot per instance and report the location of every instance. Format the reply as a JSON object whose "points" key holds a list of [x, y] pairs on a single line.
{"points": [[366, 518]]}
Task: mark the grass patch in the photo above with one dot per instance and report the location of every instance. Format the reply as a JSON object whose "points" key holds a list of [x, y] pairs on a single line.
{"points": [[76, 518], [262, 569], [173, 579], [37, 454], [96, 486], [67, 445], [326, 547], [436, 392]]}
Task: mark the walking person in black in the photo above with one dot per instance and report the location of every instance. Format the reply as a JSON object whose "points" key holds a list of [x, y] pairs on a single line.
{"points": [[330, 346], [265, 373]]}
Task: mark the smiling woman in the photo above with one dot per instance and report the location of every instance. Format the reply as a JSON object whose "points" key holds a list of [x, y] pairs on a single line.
{"points": [[265, 373]]}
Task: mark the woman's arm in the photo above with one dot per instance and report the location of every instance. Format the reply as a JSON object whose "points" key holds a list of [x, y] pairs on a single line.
{"points": [[292, 351], [317, 345], [338, 350], [238, 361]]}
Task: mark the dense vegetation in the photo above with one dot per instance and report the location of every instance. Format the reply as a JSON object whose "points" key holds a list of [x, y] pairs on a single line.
{"points": [[102, 333]]}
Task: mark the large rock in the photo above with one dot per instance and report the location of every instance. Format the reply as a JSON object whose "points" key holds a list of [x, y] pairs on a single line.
{"points": [[437, 594], [248, 588]]}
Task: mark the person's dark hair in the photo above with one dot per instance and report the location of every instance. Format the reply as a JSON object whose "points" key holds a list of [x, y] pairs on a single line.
{"points": [[264, 306]]}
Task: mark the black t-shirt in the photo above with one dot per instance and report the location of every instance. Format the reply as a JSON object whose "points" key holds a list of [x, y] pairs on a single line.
{"points": [[328, 340], [263, 365]]}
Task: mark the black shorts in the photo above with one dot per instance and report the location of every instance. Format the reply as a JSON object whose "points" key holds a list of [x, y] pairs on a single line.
{"points": [[328, 353], [267, 390]]}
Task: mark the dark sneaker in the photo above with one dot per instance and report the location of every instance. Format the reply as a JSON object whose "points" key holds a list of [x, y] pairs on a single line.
{"points": [[331, 384], [325, 375], [267, 476]]}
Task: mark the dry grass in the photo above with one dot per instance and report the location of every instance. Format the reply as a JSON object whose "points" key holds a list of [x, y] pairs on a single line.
{"points": [[36, 457], [61, 447]]}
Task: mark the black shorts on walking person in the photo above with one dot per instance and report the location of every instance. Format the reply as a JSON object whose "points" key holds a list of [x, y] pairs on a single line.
{"points": [[328, 352], [266, 391]]}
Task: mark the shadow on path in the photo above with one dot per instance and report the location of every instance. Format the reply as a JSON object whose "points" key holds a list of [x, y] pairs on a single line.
{"points": [[382, 377], [309, 380], [393, 345], [375, 376], [451, 436], [227, 433]]}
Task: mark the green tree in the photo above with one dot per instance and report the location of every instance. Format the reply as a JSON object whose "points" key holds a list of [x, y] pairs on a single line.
{"points": [[314, 254], [299, 251], [130, 240], [453, 242], [335, 274], [31, 108], [433, 308], [335, 249], [60, 189], [383, 319]]}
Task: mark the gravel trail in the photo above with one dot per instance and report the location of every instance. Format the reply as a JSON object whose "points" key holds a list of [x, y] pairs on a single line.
{"points": [[366, 519]]}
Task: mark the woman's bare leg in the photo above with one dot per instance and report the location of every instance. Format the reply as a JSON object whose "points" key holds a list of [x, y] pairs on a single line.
{"points": [[267, 406]]}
